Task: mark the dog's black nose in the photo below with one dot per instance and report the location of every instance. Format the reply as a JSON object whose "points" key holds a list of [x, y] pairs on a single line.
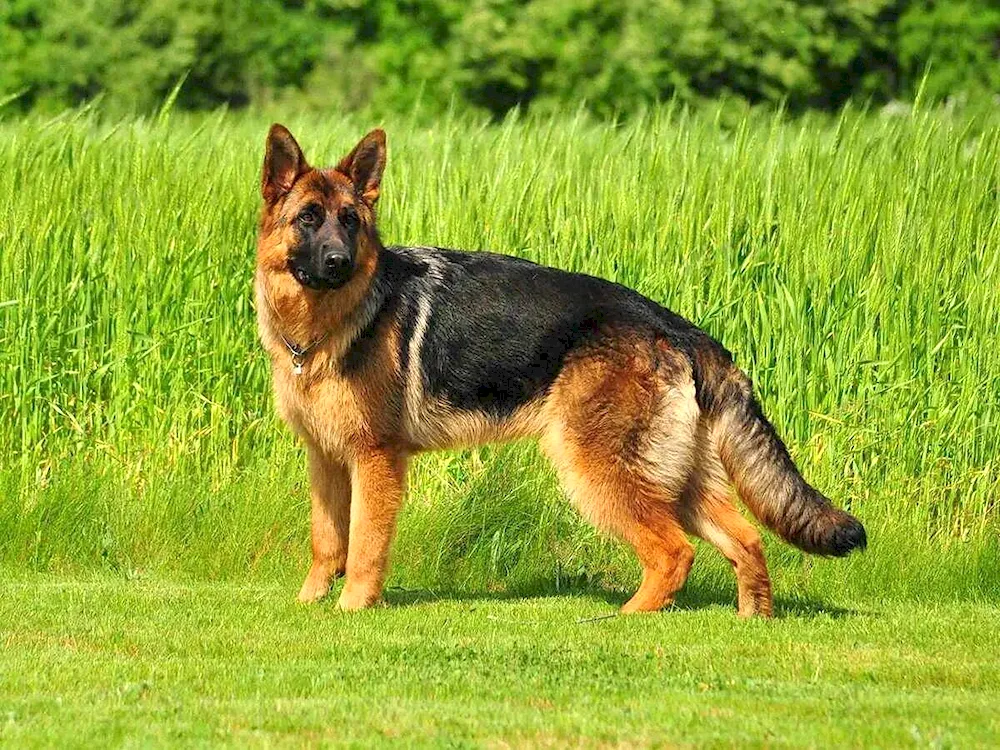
{"points": [[337, 263]]}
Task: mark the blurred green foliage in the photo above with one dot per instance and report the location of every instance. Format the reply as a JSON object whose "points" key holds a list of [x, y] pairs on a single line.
{"points": [[493, 55]]}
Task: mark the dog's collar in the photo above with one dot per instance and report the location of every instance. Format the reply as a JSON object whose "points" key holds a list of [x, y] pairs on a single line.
{"points": [[298, 353]]}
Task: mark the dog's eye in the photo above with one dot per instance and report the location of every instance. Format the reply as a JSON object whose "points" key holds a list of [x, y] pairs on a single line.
{"points": [[309, 217], [349, 218]]}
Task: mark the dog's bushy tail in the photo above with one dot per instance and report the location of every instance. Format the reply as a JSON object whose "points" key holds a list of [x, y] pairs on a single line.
{"points": [[765, 475]]}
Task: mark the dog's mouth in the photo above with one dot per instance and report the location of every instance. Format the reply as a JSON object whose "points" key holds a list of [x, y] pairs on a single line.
{"points": [[313, 281], [302, 276]]}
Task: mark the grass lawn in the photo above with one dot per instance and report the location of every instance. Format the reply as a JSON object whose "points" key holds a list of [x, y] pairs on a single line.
{"points": [[91, 661], [154, 517]]}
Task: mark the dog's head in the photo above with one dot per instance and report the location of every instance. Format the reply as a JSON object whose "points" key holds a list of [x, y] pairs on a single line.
{"points": [[319, 224]]}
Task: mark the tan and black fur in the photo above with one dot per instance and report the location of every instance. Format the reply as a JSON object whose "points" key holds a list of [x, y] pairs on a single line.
{"points": [[645, 417]]}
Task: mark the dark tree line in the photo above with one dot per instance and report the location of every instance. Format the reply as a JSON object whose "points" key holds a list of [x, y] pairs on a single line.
{"points": [[494, 54]]}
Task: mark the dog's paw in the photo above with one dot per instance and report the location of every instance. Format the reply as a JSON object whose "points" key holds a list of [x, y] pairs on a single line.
{"points": [[352, 599], [314, 589]]}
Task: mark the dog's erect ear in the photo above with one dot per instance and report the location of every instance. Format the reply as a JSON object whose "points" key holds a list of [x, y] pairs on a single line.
{"points": [[364, 165], [283, 163]]}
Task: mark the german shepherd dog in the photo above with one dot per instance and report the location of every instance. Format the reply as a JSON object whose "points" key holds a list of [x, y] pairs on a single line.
{"points": [[381, 352]]}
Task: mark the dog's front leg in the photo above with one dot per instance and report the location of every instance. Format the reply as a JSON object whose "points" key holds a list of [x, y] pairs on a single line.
{"points": [[330, 492], [377, 492]]}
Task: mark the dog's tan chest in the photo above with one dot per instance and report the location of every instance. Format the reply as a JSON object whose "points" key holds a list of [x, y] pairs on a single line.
{"points": [[322, 409]]}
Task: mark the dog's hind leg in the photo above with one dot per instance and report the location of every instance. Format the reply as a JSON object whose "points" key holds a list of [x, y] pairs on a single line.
{"points": [[709, 512], [647, 523], [720, 523], [621, 435], [330, 495], [615, 500]]}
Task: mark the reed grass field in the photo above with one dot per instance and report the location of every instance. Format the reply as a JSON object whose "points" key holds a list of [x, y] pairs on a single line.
{"points": [[850, 263]]}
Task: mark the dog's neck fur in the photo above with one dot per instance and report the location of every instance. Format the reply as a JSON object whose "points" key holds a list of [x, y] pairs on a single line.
{"points": [[303, 316]]}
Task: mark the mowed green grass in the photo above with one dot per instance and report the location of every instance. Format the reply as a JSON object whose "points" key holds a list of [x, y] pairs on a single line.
{"points": [[153, 512], [106, 662]]}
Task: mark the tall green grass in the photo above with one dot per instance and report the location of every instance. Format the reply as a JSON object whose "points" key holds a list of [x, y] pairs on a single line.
{"points": [[852, 265]]}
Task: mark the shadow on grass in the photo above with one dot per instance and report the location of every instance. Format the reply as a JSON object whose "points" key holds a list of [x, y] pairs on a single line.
{"points": [[695, 596], [699, 595]]}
